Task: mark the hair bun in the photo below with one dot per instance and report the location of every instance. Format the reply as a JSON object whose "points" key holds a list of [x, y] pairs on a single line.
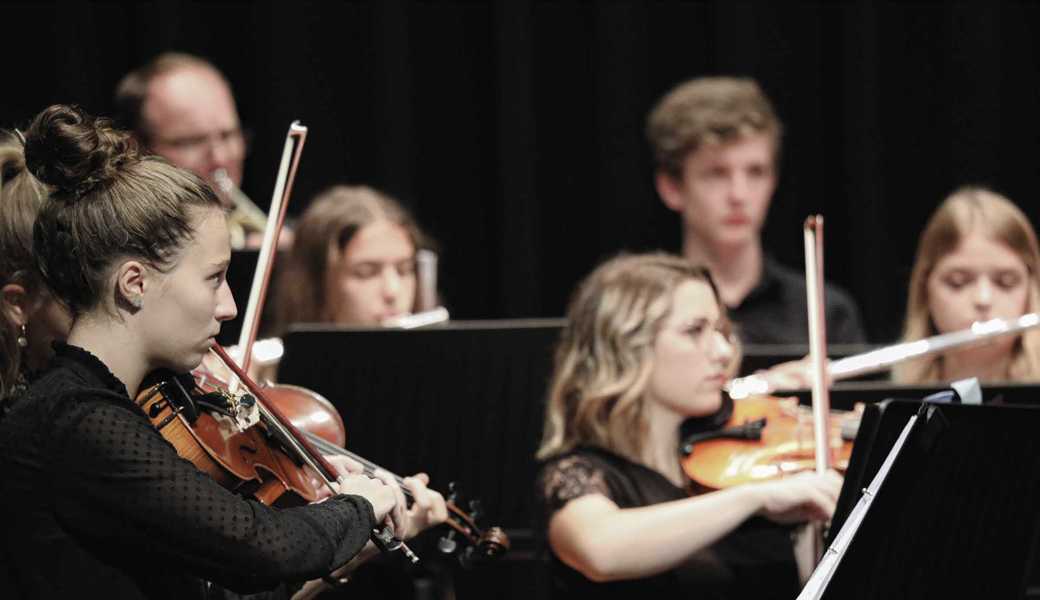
{"points": [[75, 152]]}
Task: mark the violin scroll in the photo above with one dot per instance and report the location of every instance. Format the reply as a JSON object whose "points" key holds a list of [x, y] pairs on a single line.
{"points": [[484, 545]]}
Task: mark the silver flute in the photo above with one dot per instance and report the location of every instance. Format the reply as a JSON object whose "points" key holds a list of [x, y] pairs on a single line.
{"points": [[884, 358]]}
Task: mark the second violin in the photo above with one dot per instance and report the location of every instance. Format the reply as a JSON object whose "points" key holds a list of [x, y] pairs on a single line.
{"points": [[764, 438]]}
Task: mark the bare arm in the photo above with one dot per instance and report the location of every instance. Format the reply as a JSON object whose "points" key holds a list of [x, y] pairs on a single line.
{"points": [[604, 542]]}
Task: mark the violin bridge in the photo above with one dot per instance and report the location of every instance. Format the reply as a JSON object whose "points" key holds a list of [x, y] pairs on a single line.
{"points": [[243, 409]]}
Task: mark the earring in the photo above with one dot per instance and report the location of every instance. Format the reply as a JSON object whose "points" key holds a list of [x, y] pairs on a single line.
{"points": [[136, 301], [23, 337]]}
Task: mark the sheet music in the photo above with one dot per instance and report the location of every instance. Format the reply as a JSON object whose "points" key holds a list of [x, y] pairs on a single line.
{"points": [[818, 581]]}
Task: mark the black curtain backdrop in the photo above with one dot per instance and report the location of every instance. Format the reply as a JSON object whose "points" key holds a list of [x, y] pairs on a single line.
{"points": [[514, 129]]}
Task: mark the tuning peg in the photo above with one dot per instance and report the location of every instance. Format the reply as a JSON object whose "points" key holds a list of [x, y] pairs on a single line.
{"points": [[476, 509], [447, 544]]}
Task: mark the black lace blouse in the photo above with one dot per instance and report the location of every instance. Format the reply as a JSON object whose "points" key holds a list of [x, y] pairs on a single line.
{"points": [[754, 561], [98, 505]]}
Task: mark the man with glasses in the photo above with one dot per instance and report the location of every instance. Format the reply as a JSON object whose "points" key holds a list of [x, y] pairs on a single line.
{"points": [[181, 107]]}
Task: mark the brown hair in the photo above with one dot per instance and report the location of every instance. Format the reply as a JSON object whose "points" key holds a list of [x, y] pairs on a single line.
{"points": [[706, 111], [132, 90], [1000, 219], [108, 201], [605, 354], [330, 222], [20, 199]]}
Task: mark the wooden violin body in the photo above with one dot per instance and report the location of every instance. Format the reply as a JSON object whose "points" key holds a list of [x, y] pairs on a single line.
{"points": [[765, 438], [198, 423]]}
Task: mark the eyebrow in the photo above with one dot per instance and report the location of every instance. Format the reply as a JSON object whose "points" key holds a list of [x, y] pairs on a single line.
{"points": [[696, 321]]}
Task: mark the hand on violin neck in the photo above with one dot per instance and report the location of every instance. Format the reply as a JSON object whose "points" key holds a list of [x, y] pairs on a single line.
{"points": [[397, 518], [428, 507], [345, 465], [385, 499], [803, 497]]}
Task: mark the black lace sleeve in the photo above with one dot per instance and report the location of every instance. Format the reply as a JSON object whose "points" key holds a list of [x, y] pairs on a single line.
{"points": [[123, 487], [567, 478]]}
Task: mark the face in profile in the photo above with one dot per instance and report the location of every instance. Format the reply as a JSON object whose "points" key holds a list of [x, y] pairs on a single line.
{"points": [[372, 278], [725, 190], [691, 354], [192, 122], [981, 279], [181, 313]]}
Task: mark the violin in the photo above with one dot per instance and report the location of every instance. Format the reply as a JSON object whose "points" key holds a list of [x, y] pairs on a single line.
{"points": [[204, 422], [764, 438]]}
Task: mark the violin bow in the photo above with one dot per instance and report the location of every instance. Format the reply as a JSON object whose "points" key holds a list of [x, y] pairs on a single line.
{"points": [[290, 161], [814, 284], [821, 400]]}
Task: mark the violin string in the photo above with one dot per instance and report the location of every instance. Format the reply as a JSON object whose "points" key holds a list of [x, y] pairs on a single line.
{"points": [[272, 421], [332, 449]]}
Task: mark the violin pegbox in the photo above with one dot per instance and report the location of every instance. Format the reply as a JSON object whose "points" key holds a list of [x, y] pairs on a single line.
{"points": [[484, 544]]}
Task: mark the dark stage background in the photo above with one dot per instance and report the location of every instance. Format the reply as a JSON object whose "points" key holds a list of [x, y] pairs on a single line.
{"points": [[514, 128]]}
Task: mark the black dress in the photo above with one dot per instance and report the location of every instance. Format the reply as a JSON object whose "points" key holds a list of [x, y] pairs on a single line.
{"points": [[98, 505], [754, 561]]}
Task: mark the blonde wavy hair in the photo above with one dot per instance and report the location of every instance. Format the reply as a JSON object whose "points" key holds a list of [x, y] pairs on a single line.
{"points": [[965, 209], [605, 354]]}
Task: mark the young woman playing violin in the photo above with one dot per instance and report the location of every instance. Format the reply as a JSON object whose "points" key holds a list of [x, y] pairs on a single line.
{"points": [[977, 260], [101, 504], [647, 346]]}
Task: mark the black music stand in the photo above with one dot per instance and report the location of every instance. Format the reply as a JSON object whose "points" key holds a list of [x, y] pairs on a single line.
{"points": [[959, 512]]}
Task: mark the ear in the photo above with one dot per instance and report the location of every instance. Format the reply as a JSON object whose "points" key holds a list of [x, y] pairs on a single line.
{"points": [[15, 303], [133, 279], [669, 189]]}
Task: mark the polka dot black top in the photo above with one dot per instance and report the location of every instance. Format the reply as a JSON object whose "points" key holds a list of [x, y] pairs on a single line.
{"points": [[98, 504]]}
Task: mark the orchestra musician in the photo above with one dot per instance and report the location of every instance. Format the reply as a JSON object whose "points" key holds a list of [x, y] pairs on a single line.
{"points": [[648, 345], [353, 261], [136, 250], [32, 318], [977, 259], [181, 107], [716, 141]]}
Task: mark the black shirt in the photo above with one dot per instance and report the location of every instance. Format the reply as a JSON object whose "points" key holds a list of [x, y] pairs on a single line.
{"points": [[98, 505], [775, 312], [754, 561]]}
